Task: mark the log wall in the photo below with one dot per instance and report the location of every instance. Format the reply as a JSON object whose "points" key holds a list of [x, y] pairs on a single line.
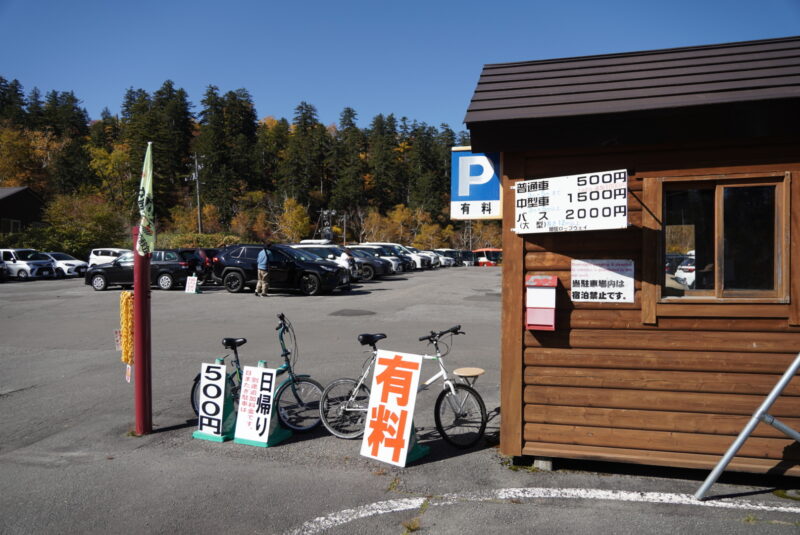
{"points": [[671, 386]]}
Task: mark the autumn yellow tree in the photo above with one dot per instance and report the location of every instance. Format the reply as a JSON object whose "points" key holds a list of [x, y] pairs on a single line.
{"points": [[294, 223], [212, 221]]}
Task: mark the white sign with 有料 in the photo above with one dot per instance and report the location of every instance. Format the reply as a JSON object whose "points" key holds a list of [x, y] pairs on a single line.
{"points": [[390, 413], [602, 281], [590, 201]]}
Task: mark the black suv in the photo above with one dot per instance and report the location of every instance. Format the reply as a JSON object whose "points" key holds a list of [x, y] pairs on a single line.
{"points": [[167, 270], [236, 268]]}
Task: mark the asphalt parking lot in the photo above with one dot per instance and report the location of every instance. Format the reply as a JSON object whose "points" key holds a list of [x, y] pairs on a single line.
{"points": [[69, 462]]}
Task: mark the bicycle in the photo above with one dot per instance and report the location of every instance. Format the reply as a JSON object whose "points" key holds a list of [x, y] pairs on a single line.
{"points": [[298, 396], [459, 412]]}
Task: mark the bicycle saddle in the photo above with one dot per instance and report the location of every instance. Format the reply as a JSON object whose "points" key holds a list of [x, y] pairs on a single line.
{"points": [[370, 339], [231, 343]]}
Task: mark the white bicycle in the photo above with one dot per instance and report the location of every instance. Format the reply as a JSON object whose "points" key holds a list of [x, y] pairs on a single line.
{"points": [[459, 413]]}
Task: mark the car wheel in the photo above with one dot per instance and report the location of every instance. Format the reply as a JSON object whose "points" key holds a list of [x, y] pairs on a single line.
{"points": [[233, 282], [99, 283], [309, 284], [60, 273], [165, 281], [22, 275], [367, 273]]}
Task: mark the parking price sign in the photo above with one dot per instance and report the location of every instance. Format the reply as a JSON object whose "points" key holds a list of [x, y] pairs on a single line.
{"points": [[387, 436], [590, 201]]}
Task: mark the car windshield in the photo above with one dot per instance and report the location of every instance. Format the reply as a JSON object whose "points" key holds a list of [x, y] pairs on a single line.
{"points": [[125, 257], [361, 254], [301, 255], [62, 256], [30, 254]]}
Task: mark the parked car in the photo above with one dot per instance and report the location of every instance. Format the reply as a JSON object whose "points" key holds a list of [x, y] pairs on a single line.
{"points": [[236, 268], [67, 265], [417, 261], [370, 265], [3, 271], [435, 261], [685, 272], [27, 264], [468, 258], [489, 256], [167, 270], [334, 253], [444, 260], [200, 261], [672, 261], [380, 252], [105, 255], [453, 254]]}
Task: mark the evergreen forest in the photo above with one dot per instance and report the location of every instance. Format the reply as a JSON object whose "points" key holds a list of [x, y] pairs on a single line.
{"points": [[259, 179]]}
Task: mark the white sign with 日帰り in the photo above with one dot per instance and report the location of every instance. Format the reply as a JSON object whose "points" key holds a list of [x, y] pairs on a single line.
{"points": [[390, 414], [256, 399], [602, 281], [590, 201]]}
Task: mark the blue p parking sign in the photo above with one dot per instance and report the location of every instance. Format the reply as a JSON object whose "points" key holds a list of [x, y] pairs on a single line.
{"points": [[475, 191]]}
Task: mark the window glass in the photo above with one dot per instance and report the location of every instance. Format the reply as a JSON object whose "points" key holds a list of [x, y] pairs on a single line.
{"points": [[749, 257], [689, 239], [251, 253], [171, 256], [126, 258]]}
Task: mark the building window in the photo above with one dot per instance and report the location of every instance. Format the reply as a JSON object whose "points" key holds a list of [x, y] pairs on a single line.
{"points": [[7, 226], [725, 237]]}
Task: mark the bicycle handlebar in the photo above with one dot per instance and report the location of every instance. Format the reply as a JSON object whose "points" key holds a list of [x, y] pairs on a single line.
{"points": [[456, 329], [282, 318]]}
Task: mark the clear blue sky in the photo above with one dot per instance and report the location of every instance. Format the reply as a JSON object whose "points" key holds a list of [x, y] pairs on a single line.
{"points": [[419, 59]]}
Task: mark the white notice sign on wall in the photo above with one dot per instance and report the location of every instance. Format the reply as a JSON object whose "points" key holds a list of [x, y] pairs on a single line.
{"points": [[602, 281], [590, 201]]}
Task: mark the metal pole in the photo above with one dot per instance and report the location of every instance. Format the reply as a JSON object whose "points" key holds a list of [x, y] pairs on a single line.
{"points": [[143, 396], [197, 189], [758, 416]]}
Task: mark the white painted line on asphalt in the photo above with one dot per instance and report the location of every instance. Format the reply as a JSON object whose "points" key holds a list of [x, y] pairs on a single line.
{"points": [[322, 523]]}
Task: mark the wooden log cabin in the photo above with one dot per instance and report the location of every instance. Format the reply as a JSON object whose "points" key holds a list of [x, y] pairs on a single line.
{"points": [[710, 139]]}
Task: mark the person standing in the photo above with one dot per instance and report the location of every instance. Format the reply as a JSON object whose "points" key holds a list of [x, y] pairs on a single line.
{"points": [[263, 271]]}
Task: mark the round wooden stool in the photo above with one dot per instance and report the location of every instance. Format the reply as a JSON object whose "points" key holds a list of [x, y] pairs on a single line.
{"points": [[469, 375]]}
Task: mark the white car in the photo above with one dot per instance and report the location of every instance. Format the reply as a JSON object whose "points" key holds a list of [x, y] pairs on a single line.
{"points": [[444, 260], [105, 255], [435, 261], [420, 261], [27, 263], [66, 265], [685, 274]]}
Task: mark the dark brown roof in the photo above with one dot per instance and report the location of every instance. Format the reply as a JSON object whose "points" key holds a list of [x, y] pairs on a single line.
{"points": [[651, 80]]}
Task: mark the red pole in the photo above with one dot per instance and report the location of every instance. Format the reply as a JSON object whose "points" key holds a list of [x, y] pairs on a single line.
{"points": [[143, 397]]}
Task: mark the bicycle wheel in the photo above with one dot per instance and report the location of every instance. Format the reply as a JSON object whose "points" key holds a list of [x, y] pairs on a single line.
{"points": [[460, 418], [195, 396], [343, 409], [298, 403]]}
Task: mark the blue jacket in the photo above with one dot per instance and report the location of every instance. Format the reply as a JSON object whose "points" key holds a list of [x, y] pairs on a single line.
{"points": [[263, 260]]}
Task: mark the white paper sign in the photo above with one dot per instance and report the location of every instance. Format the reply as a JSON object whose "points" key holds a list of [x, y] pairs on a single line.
{"points": [[255, 405], [390, 413], [212, 399], [602, 281], [191, 285], [590, 201]]}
